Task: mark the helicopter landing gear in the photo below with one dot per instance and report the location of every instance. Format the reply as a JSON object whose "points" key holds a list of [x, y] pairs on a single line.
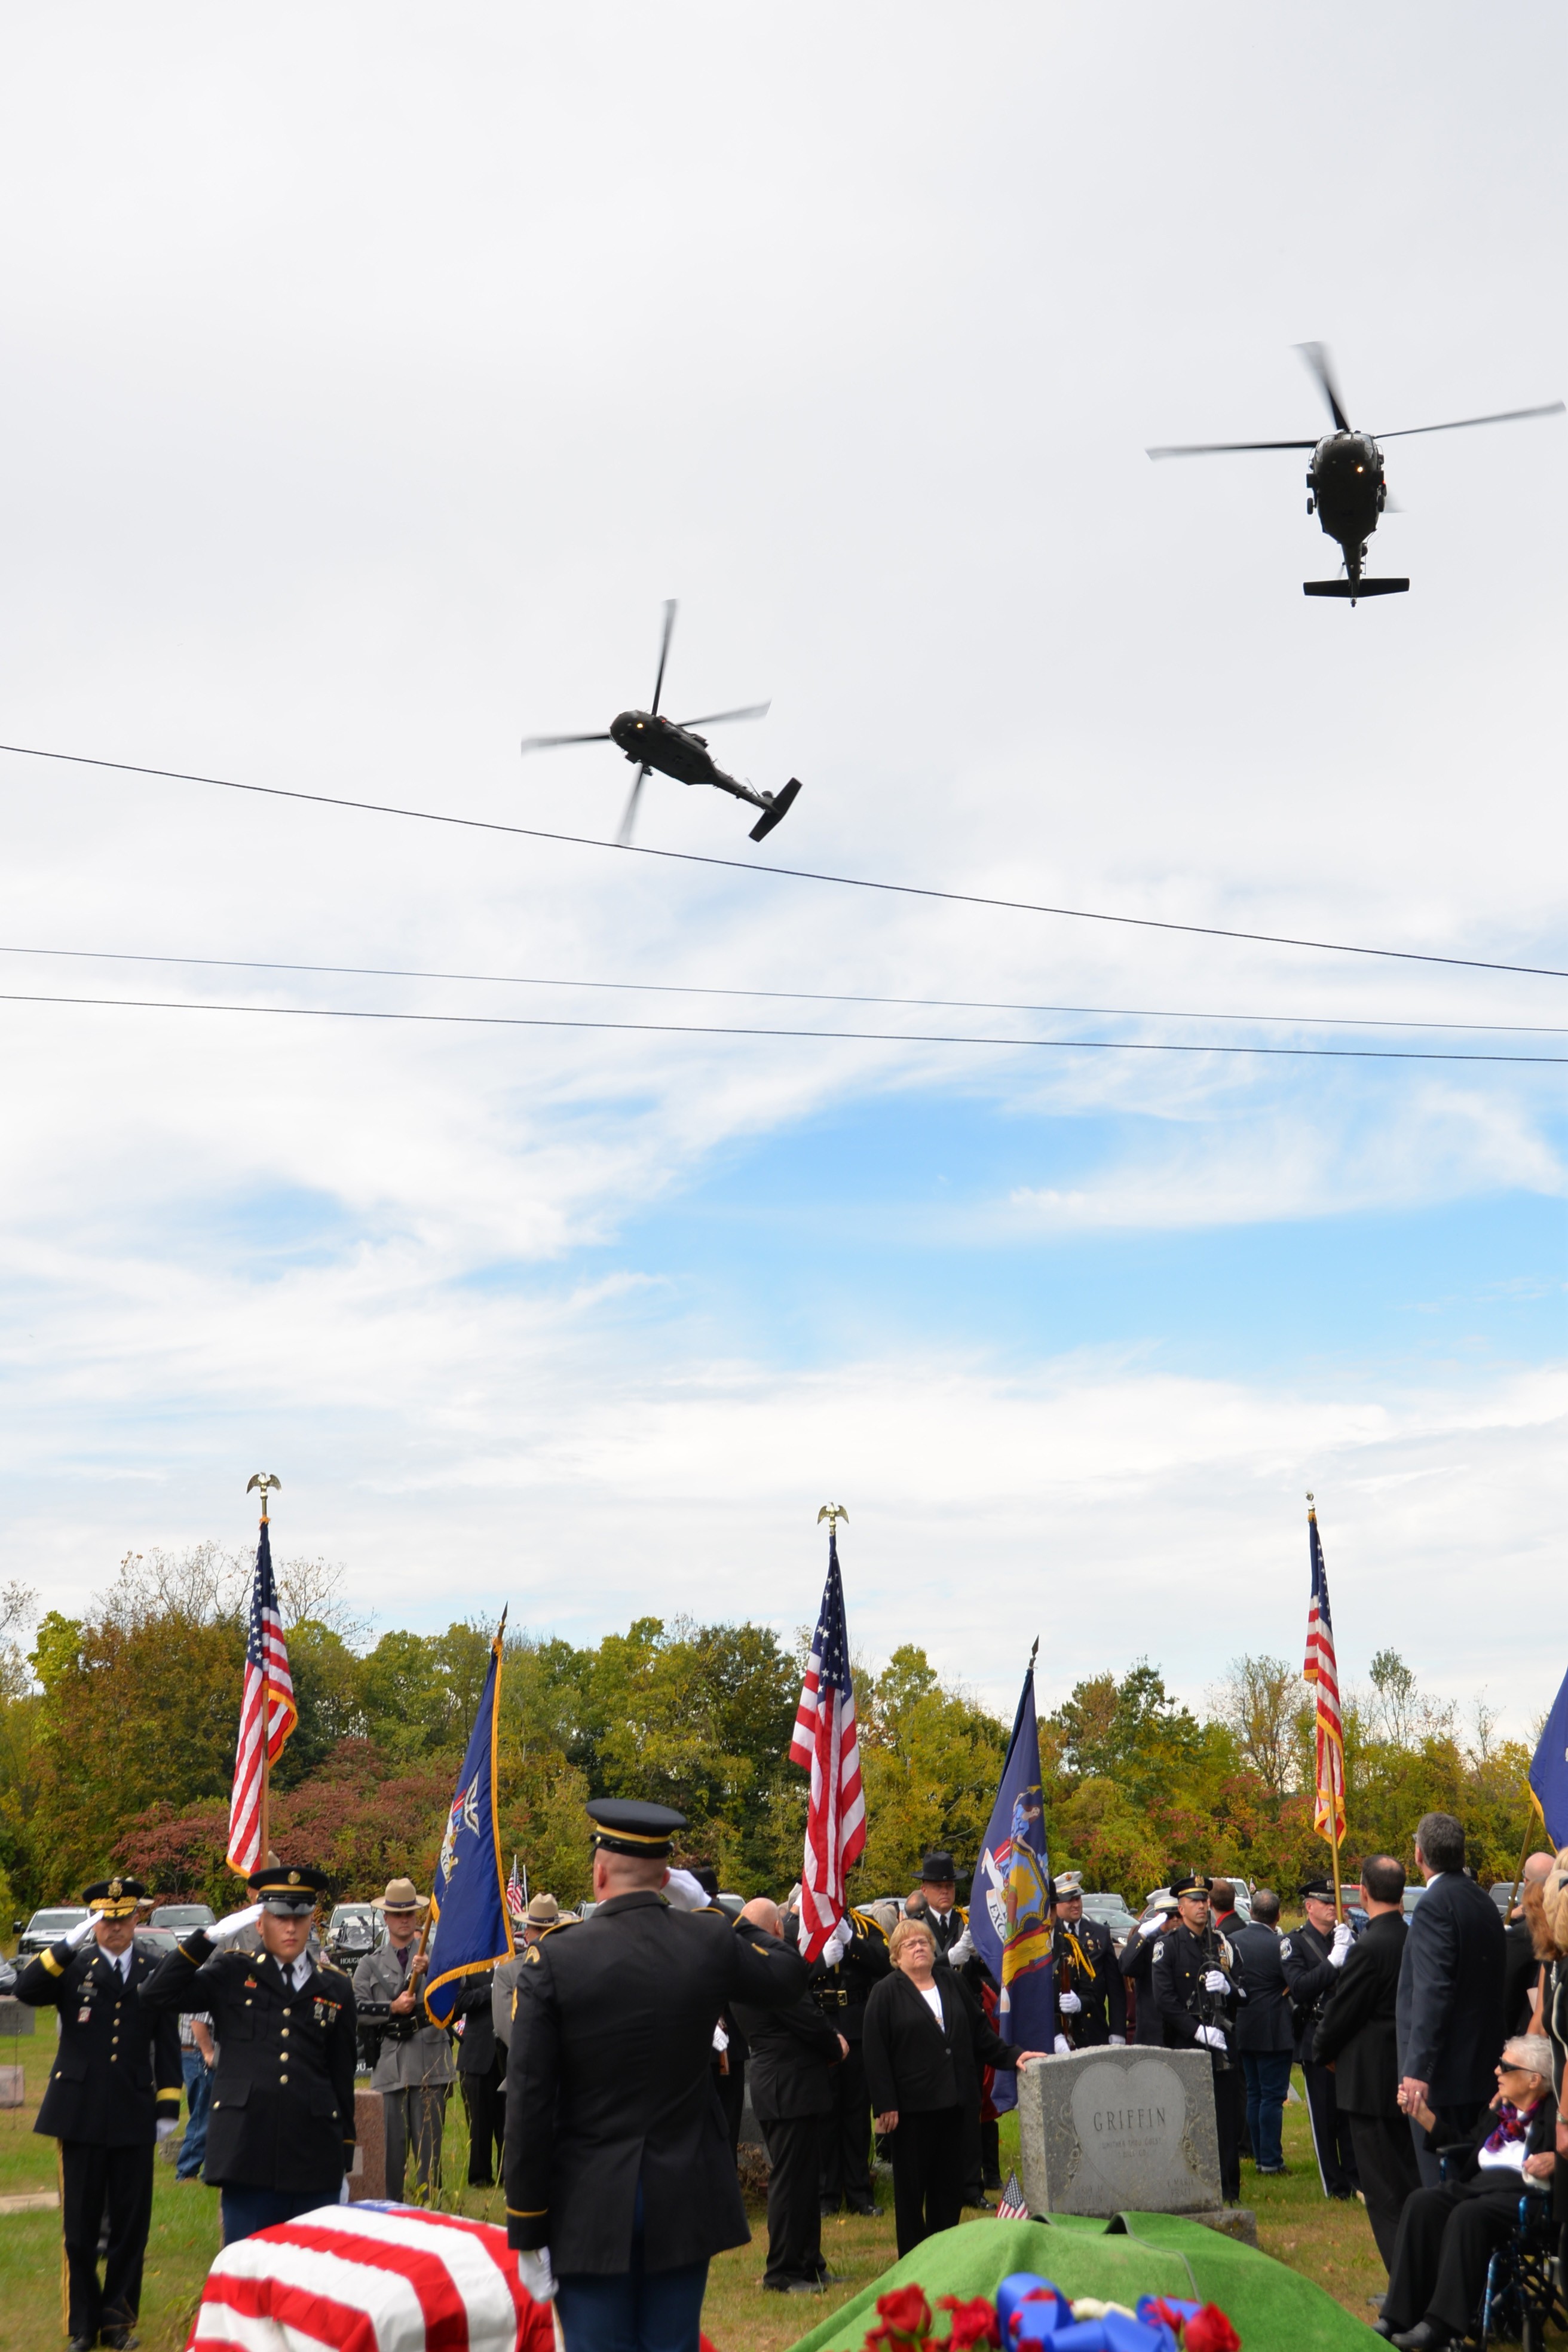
{"points": [[1311, 506]]}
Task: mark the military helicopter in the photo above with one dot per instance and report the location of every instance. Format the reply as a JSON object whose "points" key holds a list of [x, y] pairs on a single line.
{"points": [[670, 746], [1345, 483]]}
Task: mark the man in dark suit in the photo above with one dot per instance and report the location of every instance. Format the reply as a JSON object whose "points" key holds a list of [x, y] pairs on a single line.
{"points": [[1313, 1955], [854, 1960], [1449, 2013], [617, 2167], [793, 2054], [113, 2090], [480, 2074], [1265, 2035], [1356, 2037], [280, 2135]]}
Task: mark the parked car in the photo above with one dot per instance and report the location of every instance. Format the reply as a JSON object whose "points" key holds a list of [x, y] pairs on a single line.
{"points": [[46, 1927], [1502, 1894], [183, 1916], [156, 1942], [7, 1975], [353, 1930], [1112, 1913], [1411, 1897]]}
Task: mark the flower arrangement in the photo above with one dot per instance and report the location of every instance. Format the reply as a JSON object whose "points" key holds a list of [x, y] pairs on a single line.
{"points": [[1029, 2310]]}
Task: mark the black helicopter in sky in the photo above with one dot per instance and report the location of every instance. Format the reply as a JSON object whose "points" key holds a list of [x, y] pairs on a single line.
{"points": [[1345, 481], [671, 746]]}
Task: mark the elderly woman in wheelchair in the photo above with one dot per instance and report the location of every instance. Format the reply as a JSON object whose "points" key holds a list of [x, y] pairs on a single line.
{"points": [[1447, 2235]]}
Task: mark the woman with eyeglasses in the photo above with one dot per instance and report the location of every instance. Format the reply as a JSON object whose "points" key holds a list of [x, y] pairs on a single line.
{"points": [[1446, 2234]]}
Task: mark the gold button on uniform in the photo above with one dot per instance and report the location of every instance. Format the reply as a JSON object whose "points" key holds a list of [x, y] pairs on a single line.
{"points": [[282, 2078]]}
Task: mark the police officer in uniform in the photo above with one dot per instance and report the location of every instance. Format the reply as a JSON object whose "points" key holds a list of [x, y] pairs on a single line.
{"points": [[1195, 1988], [852, 1960], [1091, 1993], [280, 2133], [1312, 1957], [1136, 1964], [114, 2089], [618, 2172]]}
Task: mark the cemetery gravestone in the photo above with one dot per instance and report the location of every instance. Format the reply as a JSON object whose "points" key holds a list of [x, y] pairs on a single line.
{"points": [[367, 2172], [1118, 2131]]}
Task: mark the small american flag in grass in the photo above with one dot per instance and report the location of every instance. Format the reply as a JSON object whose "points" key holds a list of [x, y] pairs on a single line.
{"points": [[1010, 2205]]}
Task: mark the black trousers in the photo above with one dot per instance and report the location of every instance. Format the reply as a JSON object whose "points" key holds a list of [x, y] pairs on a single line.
{"points": [[1331, 2134], [1385, 2166], [729, 2090], [928, 2151], [846, 2135], [486, 2103], [1446, 2239], [1229, 2121], [795, 2203], [120, 2180]]}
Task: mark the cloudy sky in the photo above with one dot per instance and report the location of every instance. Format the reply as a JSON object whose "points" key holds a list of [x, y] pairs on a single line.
{"points": [[368, 379]]}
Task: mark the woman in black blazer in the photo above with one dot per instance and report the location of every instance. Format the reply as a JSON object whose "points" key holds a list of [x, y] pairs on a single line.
{"points": [[922, 2075]]}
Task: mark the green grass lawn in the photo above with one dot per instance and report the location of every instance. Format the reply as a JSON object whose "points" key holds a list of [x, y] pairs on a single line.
{"points": [[1330, 2244]]}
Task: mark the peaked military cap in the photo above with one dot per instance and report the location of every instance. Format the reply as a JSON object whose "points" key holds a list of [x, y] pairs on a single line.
{"points": [[1069, 1885], [1321, 1890], [1190, 1882], [113, 1898], [287, 1888], [936, 1869], [625, 1825]]}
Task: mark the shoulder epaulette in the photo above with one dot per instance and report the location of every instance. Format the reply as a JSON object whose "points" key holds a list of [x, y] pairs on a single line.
{"points": [[331, 1968]]}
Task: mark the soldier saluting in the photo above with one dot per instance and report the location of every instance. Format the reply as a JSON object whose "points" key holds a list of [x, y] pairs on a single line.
{"points": [[1195, 1989], [114, 2089], [281, 2130]]}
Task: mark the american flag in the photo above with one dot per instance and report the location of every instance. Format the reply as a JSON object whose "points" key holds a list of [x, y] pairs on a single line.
{"points": [[266, 1662], [1010, 2205], [825, 1745], [517, 1891], [1321, 1670]]}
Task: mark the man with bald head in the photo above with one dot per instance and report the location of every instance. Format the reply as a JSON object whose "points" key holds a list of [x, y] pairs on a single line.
{"points": [[793, 2054]]}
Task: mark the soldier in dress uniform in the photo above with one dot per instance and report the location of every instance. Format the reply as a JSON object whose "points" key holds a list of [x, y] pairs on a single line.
{"points": [[114, 2090], [853, 1959], [280, 2133], [1091, 1994], [1311, 1957], [1195, 1988], [618, 2171]]}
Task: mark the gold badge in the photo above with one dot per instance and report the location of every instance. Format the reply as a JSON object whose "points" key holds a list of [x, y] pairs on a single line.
{"points": [[115, 1890], [293, 1878]]}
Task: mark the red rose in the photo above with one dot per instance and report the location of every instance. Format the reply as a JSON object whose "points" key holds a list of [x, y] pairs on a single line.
{"points": [[974, 2323], [1209, 2330], [906, 2320]]}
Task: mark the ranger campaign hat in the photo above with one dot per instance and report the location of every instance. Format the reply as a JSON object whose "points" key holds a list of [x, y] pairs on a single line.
{"points": [[287, 1888], [625, 1825], [113, 1898], [401, 1894], [1190, 1882], [543, 1911], [1321, 1890], [937, 1870]]}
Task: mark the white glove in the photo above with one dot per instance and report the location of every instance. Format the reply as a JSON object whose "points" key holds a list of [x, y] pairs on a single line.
{"points": [[1118, 2041], [1061, 2047], [838, 1944], [1215, 1982], [684, 1893], [962, 1950], [82, 1930], [1212, 2036], [534, 2271], [224, 1928], [166, 2124], [720, 2039], [1068, 2003], [1341, 1946], [1152, 1927]]}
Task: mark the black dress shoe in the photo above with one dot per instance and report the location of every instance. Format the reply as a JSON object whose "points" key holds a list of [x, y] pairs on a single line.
{"points": [[120, 2339], [1425, 2337], [81, 2344], [867, 2212]]}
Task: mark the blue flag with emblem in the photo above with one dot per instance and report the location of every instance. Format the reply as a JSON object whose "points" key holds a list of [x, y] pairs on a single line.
{"points": [[1549, 1770], [1010, 1905], [470, 1927]]}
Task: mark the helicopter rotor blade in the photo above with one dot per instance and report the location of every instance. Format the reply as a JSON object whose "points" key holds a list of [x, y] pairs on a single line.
{"points": [[1458, 423], [717, 718], [550, 743], [1223, 449], [624, 834], [663, 655], [1317, 358]]}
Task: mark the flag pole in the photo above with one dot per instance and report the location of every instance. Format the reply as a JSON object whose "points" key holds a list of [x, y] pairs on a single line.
{"points": [[266, 1482]]}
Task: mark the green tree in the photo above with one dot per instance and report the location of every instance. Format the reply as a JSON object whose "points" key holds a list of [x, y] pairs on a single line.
{"points": [[930, 1761]]}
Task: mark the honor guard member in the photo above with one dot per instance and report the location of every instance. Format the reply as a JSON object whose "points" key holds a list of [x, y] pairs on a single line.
{"points": [[414, 2066], [113, 2090], [1091, 1995], [1312, 1957], [853, 1959], [281, 2130], [618, 2172], [1194, 1980], [1137, 1962]]}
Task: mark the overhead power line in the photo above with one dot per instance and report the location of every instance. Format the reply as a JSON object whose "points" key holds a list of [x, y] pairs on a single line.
{"points": [[797, 873], [740, 1029], [798, 995]]}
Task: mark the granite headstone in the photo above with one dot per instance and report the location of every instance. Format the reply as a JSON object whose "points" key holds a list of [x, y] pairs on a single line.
{"points": [[1120, 2130]]}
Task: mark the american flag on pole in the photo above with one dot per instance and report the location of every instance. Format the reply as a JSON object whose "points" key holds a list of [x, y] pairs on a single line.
{"points": [[1321, 1671], [516, 1892], [266, 1669], [825, 1745]]}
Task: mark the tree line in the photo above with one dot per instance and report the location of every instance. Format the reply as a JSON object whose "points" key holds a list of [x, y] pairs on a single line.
{"points": [[117, 1734]]}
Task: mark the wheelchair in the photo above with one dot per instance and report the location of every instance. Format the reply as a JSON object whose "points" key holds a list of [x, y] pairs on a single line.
{"points": [[1523, 2290]]}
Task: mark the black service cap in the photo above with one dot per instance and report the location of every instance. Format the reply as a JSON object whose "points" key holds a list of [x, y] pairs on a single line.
{"points": [[625, 1825], [1190, 1882], [286, 1887], [113, 1898], [1321, 1890]]}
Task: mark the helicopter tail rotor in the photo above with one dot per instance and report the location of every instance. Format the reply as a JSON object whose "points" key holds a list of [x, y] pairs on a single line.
{"points": [[779, 806]]}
